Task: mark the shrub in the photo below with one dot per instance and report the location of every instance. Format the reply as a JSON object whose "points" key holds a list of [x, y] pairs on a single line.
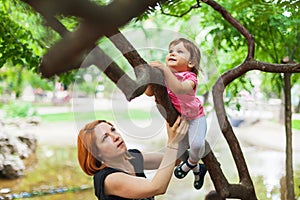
{"points": [[19, 109]]}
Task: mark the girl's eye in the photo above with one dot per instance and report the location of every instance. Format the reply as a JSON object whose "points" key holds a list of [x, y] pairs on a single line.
{"points": [[170, 51], [179, 51], [112, 129]]}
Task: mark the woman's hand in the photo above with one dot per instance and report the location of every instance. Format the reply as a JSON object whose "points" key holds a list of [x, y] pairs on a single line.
{"points": [[177, 132]]}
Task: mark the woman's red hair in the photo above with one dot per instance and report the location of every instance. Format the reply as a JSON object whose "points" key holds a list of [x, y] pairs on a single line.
{"points": [[87, 149]]}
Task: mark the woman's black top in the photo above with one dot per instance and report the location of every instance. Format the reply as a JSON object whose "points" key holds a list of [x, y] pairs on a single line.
{"points": [[137, 161]]}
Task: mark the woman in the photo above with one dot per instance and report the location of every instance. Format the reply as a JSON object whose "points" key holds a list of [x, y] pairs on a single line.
{"points": [[118, 172]]}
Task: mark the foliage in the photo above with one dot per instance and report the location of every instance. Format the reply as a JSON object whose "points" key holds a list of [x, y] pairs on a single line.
{"points": [[296, 124], [20, 47], [37, 82], [17, 109], [14, 80], [9, 81], [24, 39], [275, 26], [14, 42], [18, 44]]}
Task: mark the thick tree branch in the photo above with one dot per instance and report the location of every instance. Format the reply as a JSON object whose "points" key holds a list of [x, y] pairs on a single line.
{"points": [[74, 45], [130, 88]]}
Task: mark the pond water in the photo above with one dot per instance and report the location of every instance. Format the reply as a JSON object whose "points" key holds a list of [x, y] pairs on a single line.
{"points": [[52, 170]]}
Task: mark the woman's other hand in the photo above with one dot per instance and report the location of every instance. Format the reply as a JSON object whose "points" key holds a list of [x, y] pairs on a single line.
{"points": [[177, 132]]}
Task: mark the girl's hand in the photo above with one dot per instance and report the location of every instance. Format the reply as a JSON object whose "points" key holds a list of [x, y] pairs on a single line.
{"points": [[149, 92], [157, 64], [177, 132]]}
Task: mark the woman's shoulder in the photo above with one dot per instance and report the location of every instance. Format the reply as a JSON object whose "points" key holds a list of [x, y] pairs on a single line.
{"points": [[136, 154], [134, 151], [101, 174], [99, 179]]}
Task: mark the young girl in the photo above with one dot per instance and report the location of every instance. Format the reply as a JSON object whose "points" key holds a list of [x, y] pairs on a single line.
{"points": [[180, 72]]}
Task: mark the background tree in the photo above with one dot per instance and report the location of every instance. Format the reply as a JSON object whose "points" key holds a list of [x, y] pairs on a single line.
{"points": [[92, 16]]}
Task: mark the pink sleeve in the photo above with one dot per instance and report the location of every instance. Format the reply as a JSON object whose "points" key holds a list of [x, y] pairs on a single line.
{"points": [[191, 76]]}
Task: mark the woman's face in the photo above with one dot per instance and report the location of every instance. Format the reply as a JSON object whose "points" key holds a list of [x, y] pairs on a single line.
{"points": [[109, 142]]}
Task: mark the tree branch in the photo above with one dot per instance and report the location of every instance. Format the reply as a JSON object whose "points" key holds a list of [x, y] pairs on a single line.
{"points": [[197, 5], [74, 45]]}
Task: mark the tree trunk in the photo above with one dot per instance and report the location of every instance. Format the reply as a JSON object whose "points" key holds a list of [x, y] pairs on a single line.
{"points": [[19, 82], [290, 195]]}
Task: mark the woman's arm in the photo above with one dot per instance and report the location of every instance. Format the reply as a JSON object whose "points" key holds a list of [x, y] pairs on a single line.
{"points": [[152, 160], [137, 187]]}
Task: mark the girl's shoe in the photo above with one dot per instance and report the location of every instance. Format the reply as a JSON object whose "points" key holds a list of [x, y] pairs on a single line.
{"points": [[179, 173], [202, 171]]}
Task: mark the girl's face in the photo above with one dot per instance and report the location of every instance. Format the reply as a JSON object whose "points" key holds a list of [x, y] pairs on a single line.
{"points": [[178, 59], [109, 142]]}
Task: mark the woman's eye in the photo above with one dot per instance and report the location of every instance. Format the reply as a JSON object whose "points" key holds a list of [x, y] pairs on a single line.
{"points": [[179, 51], [113, 129], [104, 137]]}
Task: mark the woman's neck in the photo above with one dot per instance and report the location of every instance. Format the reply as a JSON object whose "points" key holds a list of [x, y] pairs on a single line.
{"points": [[122, 164]]}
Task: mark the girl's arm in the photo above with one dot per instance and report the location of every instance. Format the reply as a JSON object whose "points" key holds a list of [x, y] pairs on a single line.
{"points": [[149, 92], [137, 187], [173, 83]]}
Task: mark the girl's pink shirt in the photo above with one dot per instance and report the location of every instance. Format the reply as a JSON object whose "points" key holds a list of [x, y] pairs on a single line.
{"points": [[187, 104]]}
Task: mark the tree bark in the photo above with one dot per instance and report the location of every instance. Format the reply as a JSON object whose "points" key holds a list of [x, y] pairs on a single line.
{"points": [[290, 193]]}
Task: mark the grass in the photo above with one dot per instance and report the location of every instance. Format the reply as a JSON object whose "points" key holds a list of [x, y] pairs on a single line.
{"points": [[296, 124], [110, 115], [103, 114]]}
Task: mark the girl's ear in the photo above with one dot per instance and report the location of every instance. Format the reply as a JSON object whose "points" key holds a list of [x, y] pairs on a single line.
{"points": [[190, 65]]}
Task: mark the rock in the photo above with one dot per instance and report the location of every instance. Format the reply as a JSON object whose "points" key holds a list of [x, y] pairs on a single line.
{"points": [[13, 167], [4, 190], [2, 159], [16, 144]]}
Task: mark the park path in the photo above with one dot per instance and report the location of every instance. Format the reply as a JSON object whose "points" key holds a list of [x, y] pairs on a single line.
{"points": [[253, 131]]}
